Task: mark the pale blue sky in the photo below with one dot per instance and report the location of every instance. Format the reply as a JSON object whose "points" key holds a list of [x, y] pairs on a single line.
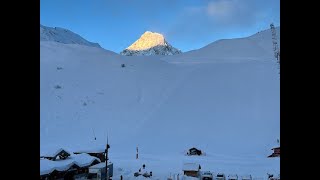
{"points": [[186, 24]]}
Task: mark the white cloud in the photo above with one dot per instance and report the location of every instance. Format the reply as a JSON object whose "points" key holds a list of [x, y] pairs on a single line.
{"points": [[216, 18], [227, 12], [221, 9]]}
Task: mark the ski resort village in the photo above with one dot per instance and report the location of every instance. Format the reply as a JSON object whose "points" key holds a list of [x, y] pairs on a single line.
{"points": [[177, 101]]}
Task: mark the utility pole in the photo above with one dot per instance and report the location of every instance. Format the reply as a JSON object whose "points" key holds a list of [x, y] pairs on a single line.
{"points": [[137, 155], [106, 152]]}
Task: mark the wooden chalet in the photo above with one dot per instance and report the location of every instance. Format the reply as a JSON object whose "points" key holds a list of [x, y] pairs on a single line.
{"points": [[69, 168], [191, 169], [233, 177], [207, 175], [194, 151], [276, 152]]}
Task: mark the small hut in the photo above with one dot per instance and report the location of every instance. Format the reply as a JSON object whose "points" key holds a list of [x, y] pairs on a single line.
{"points": [[207, 175], [276, 152], [191, 169], [233, 177], [194, 151]]}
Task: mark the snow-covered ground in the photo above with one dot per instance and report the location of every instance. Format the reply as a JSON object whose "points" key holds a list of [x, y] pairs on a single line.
{"points": [[223, 98], [163, 165]]}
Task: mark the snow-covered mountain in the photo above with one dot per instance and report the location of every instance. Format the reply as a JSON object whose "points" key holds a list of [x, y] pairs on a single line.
{"points": [[64, 36], [223, 98], [150, 43]]}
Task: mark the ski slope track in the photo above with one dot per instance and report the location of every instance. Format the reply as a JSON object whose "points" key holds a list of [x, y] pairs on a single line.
{"points": [[223, 98]]}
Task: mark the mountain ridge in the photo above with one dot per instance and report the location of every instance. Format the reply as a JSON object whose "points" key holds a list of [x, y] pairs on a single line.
{"points": [[62, 35], [150, 43]]}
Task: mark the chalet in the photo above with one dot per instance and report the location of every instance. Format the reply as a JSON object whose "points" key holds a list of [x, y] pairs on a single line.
{"points": [[270, 177], [220, 176], [207, 175], [233, 177], [276, 152], [191, 169], [194, 151], [68, 168], [58, 154]]}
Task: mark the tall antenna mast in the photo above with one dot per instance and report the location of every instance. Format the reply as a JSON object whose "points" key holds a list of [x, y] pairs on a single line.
{"points": [[276, 49]]}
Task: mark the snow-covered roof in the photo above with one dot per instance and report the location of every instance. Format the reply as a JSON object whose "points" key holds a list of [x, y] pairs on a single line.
{"points": [[220, 175], [100, 165], [190, 167], [194, 148], [48, 166], [233, 176], [206, 172], [81, 160], [54, 153]]}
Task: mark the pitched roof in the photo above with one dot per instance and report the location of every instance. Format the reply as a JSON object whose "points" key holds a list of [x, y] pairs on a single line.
{"points": [[278, 147], [81, 160], [100, 165], [55, 153], [233, 176], [48, 166], [190, 167]]}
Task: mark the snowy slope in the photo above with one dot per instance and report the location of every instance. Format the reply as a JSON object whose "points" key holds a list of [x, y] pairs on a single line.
{"points": [[63, 36], [263, 38], [257, 47], [227, 104]]}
